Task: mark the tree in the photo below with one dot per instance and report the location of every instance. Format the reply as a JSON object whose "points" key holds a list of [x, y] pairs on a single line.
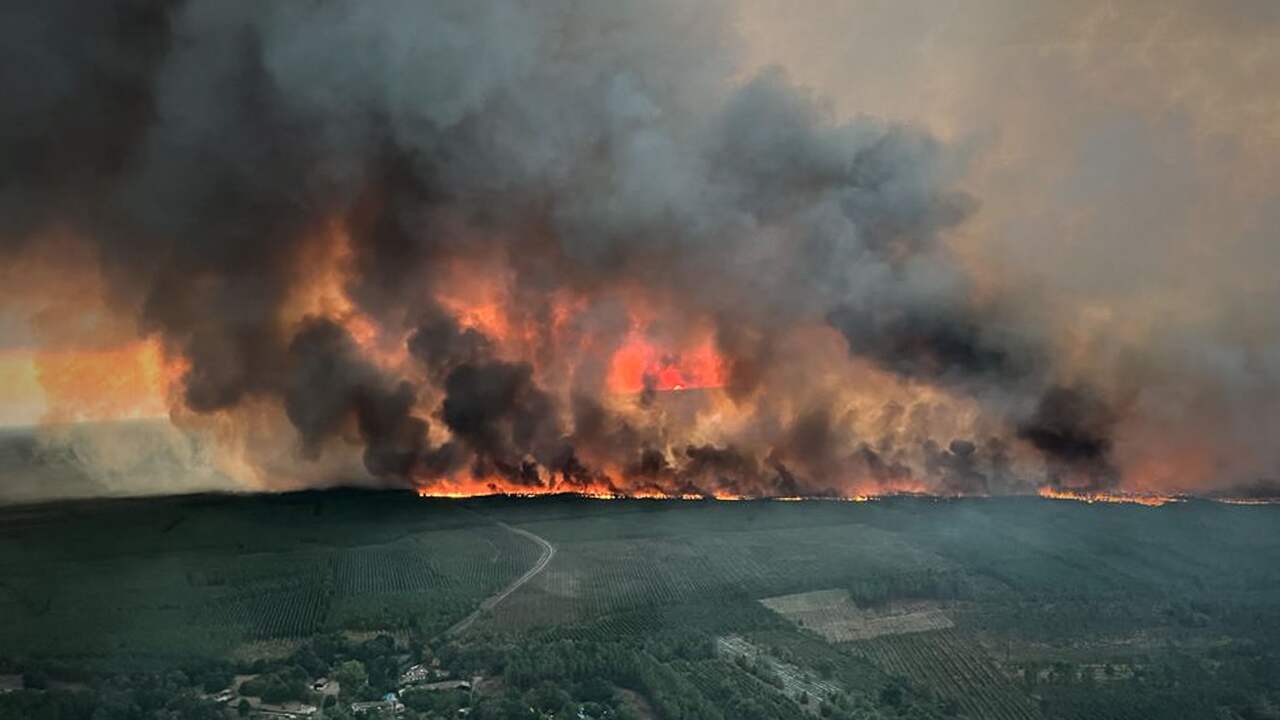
{"points": [[34, 680], [243, 708], [276, 691], [351, 676]]}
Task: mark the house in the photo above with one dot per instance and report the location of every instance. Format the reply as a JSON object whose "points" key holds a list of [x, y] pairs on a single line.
{"points": [[446, 685], [287, 712], [224, 696], [416, 674], [388, 705], [421, 673]]}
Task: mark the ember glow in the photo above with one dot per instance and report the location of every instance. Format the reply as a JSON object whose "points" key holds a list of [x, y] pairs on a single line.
{"points": [[638, 365], [1115, 498], [469, 249]]}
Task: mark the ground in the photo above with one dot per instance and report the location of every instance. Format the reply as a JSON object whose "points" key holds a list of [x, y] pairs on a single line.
{"points": [[980, 608], [833, 615]]}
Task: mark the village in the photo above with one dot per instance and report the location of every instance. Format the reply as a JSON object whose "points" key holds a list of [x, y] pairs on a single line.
{"points": [[325, 696]]}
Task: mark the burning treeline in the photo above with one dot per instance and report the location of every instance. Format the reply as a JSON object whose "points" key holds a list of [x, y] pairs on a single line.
{"points": [[527, 247]]}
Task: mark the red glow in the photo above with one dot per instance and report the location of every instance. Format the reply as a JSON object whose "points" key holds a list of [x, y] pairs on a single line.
{"points": [[637, 358], [1105, 497]]}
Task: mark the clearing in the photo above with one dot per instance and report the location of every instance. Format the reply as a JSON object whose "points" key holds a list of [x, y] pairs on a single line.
{"points": [[833, 615]]}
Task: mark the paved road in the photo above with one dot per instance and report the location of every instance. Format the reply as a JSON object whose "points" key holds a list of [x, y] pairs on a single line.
{"points": [[548, 552]]}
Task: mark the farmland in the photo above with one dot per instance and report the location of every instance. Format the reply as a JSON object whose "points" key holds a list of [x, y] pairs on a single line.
{"points": [[1005, 609], [834, 616]]}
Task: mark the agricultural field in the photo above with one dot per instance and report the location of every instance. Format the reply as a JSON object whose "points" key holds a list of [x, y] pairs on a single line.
{"points": [[953, 666], [1007, 609], [1013, 608], [834, 616]]}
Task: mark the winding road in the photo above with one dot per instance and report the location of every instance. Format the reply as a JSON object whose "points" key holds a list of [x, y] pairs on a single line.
{"points": [[548, 552]]}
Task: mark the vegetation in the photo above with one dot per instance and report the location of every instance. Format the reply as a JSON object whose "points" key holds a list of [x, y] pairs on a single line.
{"points": [[210, 606]]}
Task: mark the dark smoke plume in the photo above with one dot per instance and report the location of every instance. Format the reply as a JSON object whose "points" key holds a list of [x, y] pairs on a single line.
{"points": [[1072, 427], [441, 345], [330, 385], [206, 149], [496, 408]]}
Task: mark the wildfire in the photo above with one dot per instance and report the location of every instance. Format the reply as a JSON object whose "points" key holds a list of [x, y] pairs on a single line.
{"points": [[1147, 500], [497, 488], [494, 490], [324, 293], [464, 487], [638, 364]]}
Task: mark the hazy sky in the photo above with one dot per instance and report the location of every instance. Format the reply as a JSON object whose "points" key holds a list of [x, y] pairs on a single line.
{"points": [[1125, 155]]}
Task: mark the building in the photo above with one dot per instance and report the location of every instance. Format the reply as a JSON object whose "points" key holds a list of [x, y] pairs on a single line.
{"points": [[446, 685], [224, 696], [421, 673], [289, 712], [388, 706]]}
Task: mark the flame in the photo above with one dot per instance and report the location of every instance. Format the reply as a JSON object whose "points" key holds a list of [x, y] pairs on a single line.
{"points": [[323, 292], [495, 488], [638, 362], [468, 486], [1147, 500], [477, 293]]}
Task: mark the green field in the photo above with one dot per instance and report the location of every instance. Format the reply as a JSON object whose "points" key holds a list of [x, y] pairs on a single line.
{"points": [[1051, 609]]}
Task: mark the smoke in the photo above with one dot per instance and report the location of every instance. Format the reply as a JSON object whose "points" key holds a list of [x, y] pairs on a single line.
{"points": [[440, 344], [329, 384], [1125, 157], [1073, 428], [538, 245]]}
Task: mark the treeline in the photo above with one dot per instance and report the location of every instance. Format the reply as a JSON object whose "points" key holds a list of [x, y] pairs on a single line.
{"points": [[1234, 681], [368, 669], [679, 675], [136, 696]]}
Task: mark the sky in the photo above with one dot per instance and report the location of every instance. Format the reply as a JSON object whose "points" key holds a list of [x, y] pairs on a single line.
{"points": [[1125, 157]]}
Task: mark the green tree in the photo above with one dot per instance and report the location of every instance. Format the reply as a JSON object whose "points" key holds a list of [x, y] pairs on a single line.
{"points": [[351, 676], [243, 708], [35, 680]]}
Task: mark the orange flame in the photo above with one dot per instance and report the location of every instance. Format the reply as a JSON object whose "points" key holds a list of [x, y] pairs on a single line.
{"points": [[324, 293], [1101, 497], [638, 363]]}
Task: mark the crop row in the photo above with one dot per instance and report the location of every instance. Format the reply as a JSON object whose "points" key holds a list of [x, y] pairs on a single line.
{"points": [[428, 577], [271, 613], [950, 664]]}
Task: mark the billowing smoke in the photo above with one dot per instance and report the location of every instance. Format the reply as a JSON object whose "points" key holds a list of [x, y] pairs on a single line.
{"points": [[328, 383], [1072, 427], [531, 246]]}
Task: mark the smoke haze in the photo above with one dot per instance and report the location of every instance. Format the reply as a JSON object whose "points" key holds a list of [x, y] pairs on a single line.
{"points": [[730, 248]]}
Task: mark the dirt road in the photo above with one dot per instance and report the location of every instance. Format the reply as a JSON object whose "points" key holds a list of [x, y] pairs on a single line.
{"points": [[548, 552]]}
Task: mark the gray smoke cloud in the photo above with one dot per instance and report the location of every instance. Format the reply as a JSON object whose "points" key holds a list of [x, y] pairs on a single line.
{"points": [[201, 146], [1125, 156]]}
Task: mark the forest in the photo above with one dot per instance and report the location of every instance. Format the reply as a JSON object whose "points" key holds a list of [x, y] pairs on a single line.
{"points": [[329, 604]]}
